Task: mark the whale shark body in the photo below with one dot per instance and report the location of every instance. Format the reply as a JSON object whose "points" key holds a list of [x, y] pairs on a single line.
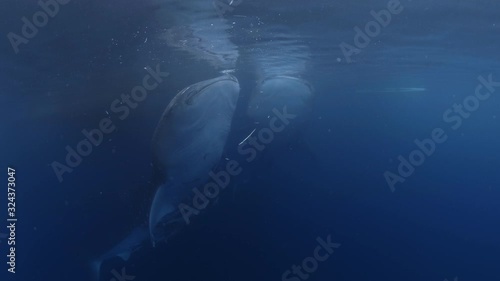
{"points": [[190, 137], [187, 144]]}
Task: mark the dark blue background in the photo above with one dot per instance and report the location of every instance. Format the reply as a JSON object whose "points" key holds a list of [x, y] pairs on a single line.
{"points": [[440, 223]]}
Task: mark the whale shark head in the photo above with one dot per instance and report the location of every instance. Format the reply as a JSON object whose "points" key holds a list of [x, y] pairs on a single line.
{"points": [[192, 132], [187, 143]]}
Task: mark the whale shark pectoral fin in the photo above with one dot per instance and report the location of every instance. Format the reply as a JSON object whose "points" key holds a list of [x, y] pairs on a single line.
{"points": [[163, 209]]}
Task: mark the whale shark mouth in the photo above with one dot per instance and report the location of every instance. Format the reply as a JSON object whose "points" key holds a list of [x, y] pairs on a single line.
{"points": [[225, 78], [195, 90]]}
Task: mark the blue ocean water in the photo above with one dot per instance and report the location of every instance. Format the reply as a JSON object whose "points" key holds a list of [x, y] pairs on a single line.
{"points": [[385, 87]]}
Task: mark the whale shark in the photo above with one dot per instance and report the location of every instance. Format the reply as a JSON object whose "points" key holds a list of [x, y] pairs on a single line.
{"points": [[187, 144], [191, 135]]}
